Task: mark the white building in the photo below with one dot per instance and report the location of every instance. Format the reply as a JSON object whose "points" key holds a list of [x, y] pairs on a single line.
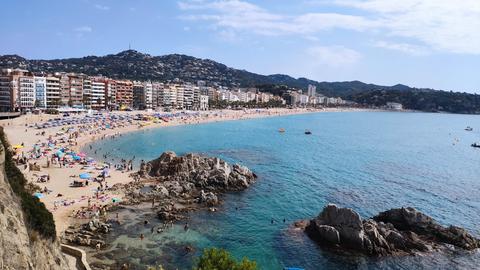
{"points": [[203, 102], [53, 92], [97, 94], [304, 99], [40, 92], [394, 106], [26, 93], [312, 90]]}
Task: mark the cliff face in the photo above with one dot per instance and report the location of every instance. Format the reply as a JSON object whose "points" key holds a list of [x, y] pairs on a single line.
{"points": [[19, 247]]}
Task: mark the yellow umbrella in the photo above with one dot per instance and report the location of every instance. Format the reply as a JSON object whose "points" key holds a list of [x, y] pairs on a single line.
{"points": [[17, 146]]}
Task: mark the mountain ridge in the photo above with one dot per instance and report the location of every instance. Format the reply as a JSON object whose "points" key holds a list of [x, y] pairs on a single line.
{"points": [[134, 65]]}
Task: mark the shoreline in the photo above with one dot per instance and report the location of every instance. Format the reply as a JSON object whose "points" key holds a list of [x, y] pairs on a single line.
{"points": [[75, 199]]}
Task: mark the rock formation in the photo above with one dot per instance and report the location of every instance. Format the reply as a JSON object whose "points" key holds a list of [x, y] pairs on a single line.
{"points": [[90, 234], [22, 248], [208, 173], [180, 181], [393, 232]]}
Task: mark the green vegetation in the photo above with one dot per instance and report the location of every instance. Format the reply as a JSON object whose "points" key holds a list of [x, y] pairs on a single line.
{"points": [[427, 101], [220, 259], [37, 216]]}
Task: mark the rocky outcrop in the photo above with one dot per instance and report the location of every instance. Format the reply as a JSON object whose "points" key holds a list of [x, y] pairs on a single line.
{"points": [[208, 173], [393, 232], [180, 181], [20, 247], [91, 234]]}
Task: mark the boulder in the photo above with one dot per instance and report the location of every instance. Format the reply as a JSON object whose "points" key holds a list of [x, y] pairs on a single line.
{"points": [[184, 173], [346, 221], [208, 198], [393, 232]]}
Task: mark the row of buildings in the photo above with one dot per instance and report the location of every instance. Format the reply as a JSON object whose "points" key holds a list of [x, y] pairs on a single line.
{"points": [[311, 98], [21, 90]]}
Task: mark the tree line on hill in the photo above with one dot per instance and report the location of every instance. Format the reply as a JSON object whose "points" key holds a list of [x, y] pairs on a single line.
{"points": [[135, 65]]}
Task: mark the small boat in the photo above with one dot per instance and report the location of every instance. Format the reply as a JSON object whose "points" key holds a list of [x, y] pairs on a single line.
{"points": [[282, 130], [476, 145], [469, 129], [308, 132]]}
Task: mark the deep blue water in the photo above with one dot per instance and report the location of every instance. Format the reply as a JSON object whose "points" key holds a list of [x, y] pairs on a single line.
{"points": [[369, 161]]}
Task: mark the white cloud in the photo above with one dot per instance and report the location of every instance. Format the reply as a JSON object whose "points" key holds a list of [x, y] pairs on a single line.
{"points": [[333, 56], [83, 29], [440, 25], [242, 16], [97, 6], [444, 25], [402, 47]]}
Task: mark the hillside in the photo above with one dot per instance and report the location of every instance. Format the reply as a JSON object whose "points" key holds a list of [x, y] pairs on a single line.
{"points": [[24, 224], [131, 64], [134, 65]]}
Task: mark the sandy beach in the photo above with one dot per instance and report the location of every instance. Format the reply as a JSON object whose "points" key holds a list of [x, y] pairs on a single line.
{"points": [[71, 205]]}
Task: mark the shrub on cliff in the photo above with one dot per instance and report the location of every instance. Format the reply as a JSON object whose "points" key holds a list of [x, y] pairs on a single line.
{"points": [[220, 259], [37, 215]]}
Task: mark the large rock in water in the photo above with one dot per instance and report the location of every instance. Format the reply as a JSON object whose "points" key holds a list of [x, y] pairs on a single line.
{"points": [[393, 232], [207, 173]]}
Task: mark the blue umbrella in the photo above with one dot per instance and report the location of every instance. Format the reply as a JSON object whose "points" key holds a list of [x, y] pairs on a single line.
{"points": [[84, 176], [38, 195]]}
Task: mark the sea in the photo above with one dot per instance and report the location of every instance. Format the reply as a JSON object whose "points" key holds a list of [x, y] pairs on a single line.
{"points": [[367, 161]]}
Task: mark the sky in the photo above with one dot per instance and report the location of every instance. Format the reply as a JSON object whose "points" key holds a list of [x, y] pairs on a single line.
{"points": [[420, 43]]}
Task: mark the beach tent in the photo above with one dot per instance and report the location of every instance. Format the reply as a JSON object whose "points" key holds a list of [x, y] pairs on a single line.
{"points": [[84, 175]]}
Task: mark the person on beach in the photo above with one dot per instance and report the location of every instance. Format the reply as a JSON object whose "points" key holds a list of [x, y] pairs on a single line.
{"points": [[142, 236]]}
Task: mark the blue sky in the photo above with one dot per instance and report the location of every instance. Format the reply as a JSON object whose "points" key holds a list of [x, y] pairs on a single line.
{"points": [[421, 43]]}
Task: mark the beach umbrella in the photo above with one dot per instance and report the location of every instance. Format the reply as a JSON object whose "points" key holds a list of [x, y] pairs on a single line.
{"points": [[18, 146], [82, 154], [38, 195], [84, 176], [77, 157]]}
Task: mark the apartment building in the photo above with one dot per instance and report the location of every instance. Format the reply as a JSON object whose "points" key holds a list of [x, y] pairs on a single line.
{"points": [[87, 92], [53, 95], [191, 97], [124, 96], [76, 90], [40, 92], [203, 103], [111, 94], [6, 91], [97, 94], [157, 92], [180, 95]]}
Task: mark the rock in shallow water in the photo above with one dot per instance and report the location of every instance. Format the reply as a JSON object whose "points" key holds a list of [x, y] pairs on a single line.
{"points": [[393, 232], [208, 173]]}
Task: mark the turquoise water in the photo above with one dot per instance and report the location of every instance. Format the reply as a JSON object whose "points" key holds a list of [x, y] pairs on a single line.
{"points": [[369, 161]]}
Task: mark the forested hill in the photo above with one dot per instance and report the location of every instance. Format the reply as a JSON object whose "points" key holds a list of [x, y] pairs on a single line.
{"points": [[134, 65]]}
